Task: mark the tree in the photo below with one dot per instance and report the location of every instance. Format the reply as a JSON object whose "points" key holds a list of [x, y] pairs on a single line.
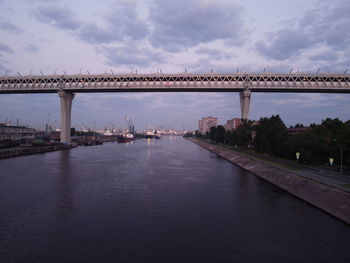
{"points": [[311, 147], [212, 133], [271, 136], [243, 134], [220, 134], [343, 138], [230, 138], [321, 142]]}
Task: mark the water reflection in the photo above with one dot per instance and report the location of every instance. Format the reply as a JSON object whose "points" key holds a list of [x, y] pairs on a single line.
{"points": [[65, 205], [149, 149]]}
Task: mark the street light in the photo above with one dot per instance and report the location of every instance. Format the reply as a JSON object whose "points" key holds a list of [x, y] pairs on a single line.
{"points": [[331, 160], [297, 155]]}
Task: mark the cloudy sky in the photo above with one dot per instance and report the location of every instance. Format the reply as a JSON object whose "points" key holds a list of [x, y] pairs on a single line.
{"points": [[171, 36]]}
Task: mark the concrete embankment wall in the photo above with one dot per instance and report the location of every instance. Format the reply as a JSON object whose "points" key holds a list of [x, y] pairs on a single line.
{"points": [[331, 200], [32, 150]]}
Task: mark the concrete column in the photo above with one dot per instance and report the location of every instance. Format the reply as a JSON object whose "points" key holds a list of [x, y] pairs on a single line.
{"points": [[245, 103], [66, 109]]}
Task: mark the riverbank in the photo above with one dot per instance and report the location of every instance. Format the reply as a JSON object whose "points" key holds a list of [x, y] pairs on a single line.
{"points": [[330, 199], [20, 151]]}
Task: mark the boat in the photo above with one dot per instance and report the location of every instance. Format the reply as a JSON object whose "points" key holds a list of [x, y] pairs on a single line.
{"points": [[152, 134], [125, 138]]}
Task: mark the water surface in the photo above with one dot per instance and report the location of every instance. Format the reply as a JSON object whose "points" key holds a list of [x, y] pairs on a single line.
{"points": [[162, 200]]}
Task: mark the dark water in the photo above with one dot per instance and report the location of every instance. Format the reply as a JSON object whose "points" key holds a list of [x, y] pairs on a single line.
{"points": [[164, 200]]}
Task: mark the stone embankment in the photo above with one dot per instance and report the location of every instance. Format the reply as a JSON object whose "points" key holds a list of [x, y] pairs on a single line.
{"points": [[6, 153], [330, 199]]}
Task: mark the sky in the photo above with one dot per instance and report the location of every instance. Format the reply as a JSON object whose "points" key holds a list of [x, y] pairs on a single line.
{"points": [[149, 36]]}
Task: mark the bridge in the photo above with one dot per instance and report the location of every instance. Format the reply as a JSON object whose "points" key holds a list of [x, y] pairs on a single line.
{"points": [[67, 85]]}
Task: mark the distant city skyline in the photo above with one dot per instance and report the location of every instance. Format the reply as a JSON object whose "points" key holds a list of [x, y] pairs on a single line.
{"points": [[150, 36]]}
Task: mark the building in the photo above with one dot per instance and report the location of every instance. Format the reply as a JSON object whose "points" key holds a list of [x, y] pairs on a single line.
{"points": [[297, 130], [206, 123], [232, 124], [15, 133], [54, 136]]}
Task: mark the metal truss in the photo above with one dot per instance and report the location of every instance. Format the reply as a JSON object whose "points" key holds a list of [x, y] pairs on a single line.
{"points": [[266, 82]]}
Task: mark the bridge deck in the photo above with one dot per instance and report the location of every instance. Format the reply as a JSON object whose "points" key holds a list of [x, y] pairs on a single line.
{"points": [[267, 82]]}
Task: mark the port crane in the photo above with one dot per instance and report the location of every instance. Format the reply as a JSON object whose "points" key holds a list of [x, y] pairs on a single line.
{"points": [[47, 127], [130, 123]]}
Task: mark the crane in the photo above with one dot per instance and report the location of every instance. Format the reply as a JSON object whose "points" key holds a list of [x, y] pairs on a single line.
{"points": [[130, 123], [48, 123]]}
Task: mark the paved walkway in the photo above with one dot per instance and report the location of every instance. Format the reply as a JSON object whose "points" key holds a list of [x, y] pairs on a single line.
{"points": [[320, 174]]}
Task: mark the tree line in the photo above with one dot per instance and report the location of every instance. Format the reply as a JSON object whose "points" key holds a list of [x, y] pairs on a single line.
{"points": [[331, 138]]}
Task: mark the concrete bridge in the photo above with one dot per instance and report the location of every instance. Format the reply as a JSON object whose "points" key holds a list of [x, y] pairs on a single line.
{"points": [[245, 84]]}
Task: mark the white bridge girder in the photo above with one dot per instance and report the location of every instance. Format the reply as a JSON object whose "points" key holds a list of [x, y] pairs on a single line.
{"points": [[266, 82], [67, 85]]}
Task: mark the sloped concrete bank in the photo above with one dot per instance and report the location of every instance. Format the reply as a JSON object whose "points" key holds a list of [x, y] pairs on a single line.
{"points": [[331, 200], [7, 153]]}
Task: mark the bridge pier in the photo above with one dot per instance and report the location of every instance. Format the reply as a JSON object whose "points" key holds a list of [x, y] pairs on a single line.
{"points": [[66, 99], [245, 103]]}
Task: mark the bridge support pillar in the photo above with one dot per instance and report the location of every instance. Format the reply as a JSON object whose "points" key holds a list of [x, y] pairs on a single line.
{"points": [[245, 103], [66, 99]]}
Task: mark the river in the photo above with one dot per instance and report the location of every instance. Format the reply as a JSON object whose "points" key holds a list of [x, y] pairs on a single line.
{"points": [[165, 200]]}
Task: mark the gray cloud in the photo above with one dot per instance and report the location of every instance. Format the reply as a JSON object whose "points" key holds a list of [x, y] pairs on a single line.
{"points": [[335, 34], [94, 34], [5, 49], [125, 18], [3, 69], [31, 48], [284, 44], [325, 56], [206, 65], [215, 53], [180, 24], [312, 29], [131, 55], [60, 17], [9, 27], [121, 22]]}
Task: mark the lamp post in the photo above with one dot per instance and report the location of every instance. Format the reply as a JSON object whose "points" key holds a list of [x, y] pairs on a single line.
{"points": [[331, 160], [297, 155]]}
